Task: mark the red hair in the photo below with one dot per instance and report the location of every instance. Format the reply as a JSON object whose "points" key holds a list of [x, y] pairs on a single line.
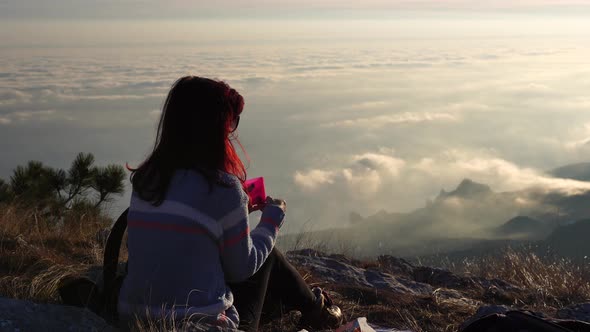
{"points": [[195, 132], [233, 164]]}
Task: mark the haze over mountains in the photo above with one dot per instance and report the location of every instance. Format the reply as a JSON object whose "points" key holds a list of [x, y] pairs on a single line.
{"points": [[472, 218]]}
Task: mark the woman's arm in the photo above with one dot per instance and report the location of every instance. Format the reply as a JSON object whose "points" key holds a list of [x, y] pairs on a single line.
{"points": [[243, 251]]}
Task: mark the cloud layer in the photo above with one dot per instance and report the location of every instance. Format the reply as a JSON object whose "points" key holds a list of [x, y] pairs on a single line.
{"points": [[374, 122]]}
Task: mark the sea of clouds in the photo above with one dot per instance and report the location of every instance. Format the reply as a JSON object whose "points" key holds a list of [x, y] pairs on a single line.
{"points": [[334, 126]]}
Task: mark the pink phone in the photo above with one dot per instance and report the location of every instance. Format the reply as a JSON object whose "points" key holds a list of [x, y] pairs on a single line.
{"points": [[255, 189]]}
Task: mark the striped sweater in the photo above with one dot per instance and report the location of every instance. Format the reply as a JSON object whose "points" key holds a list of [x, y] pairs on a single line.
{"points": [[182, 252]]}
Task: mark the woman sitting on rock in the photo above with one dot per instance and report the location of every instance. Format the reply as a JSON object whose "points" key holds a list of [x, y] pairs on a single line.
{"points": [[192, 254]]}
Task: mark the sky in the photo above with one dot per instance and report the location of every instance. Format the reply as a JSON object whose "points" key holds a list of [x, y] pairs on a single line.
{"points": [[350, 106], [141, 9]]}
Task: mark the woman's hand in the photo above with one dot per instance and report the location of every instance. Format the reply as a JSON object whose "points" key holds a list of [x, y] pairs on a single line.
{"points": [[277, 202], [269, 200], [255, 207]]}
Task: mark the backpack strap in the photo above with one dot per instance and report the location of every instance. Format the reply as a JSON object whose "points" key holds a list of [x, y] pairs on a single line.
{"points": [[111, 263], [535, 323]]}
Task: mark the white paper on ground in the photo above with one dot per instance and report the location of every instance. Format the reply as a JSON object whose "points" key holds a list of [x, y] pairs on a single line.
{"points": [[357, 325], [360, 325]]}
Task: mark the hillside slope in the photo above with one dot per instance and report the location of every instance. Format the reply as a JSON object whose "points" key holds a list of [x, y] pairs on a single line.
{"points": [[391, 292]]}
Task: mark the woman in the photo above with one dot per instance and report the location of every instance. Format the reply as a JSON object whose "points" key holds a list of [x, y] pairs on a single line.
{"points": [[191, 253]]}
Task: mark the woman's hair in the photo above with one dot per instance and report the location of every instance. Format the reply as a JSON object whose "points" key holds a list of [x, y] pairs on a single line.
{"points": [[198, 118]]}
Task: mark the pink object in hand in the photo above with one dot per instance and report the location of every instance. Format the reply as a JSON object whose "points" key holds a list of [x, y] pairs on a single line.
{"points": [[255, 189]]}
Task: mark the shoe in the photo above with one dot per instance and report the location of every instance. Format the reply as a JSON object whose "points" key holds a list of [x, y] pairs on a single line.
{"points": [[325, 315]]}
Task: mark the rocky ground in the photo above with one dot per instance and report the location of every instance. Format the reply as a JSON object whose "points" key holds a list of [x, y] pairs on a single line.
{"points": [[392, 293]]}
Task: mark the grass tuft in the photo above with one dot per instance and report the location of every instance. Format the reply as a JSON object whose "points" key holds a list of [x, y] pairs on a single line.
{"points": [[35, 255]]}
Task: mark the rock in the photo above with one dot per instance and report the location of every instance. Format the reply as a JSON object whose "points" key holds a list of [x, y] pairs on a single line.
{"points": [[485, 311], [491, 309], [577, 312], [307, 252], [437, 277], [18, 315], [498, 283], [499, 295], [442, 278], [395, 265], [336, 271], [445, 278], [454, 297]]}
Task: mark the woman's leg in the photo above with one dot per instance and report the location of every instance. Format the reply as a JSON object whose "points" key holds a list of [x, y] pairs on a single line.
{"points": [[274, 289], [249, 296], [286, 290]]}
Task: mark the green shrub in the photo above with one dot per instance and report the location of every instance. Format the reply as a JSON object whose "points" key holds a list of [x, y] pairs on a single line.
{"points": [[54, 192]]}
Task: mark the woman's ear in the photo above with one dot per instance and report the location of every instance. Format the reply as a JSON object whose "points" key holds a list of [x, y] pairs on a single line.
{"points": [[234, 124]]}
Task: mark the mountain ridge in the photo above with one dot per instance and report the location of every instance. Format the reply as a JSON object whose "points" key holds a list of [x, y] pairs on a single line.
{"points": [[577, 171], [471, 215]]}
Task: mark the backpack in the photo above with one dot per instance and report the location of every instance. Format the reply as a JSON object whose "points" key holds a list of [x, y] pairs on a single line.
{"points": [[523, 321], [100, 297]]}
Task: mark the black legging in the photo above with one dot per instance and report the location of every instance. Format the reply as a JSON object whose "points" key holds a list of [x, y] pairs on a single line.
{"points": [[274, 289]]}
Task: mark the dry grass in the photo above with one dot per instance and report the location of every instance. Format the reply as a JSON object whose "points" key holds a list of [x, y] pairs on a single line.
{"points": [[35, 255], [390, 310], [384, 308], [553, 282]]}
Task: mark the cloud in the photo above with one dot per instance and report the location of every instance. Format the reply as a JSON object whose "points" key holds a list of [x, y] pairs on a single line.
{"points": [[314, 178], [379, 162], [318, 105], [13, 97], [579, 140], [578, 144], [27, 116], [364, 175], [505, 175], [373, 181], [393, 119]]}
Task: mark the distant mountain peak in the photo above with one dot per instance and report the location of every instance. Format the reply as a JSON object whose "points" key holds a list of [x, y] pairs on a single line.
{"points": [[525, 227], [520, 224], [579, 171], [521, 219], [466, 189]]}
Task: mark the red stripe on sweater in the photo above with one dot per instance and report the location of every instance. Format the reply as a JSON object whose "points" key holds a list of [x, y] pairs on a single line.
{"points": [[270, 221], [234, 240], [166, 227]]}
